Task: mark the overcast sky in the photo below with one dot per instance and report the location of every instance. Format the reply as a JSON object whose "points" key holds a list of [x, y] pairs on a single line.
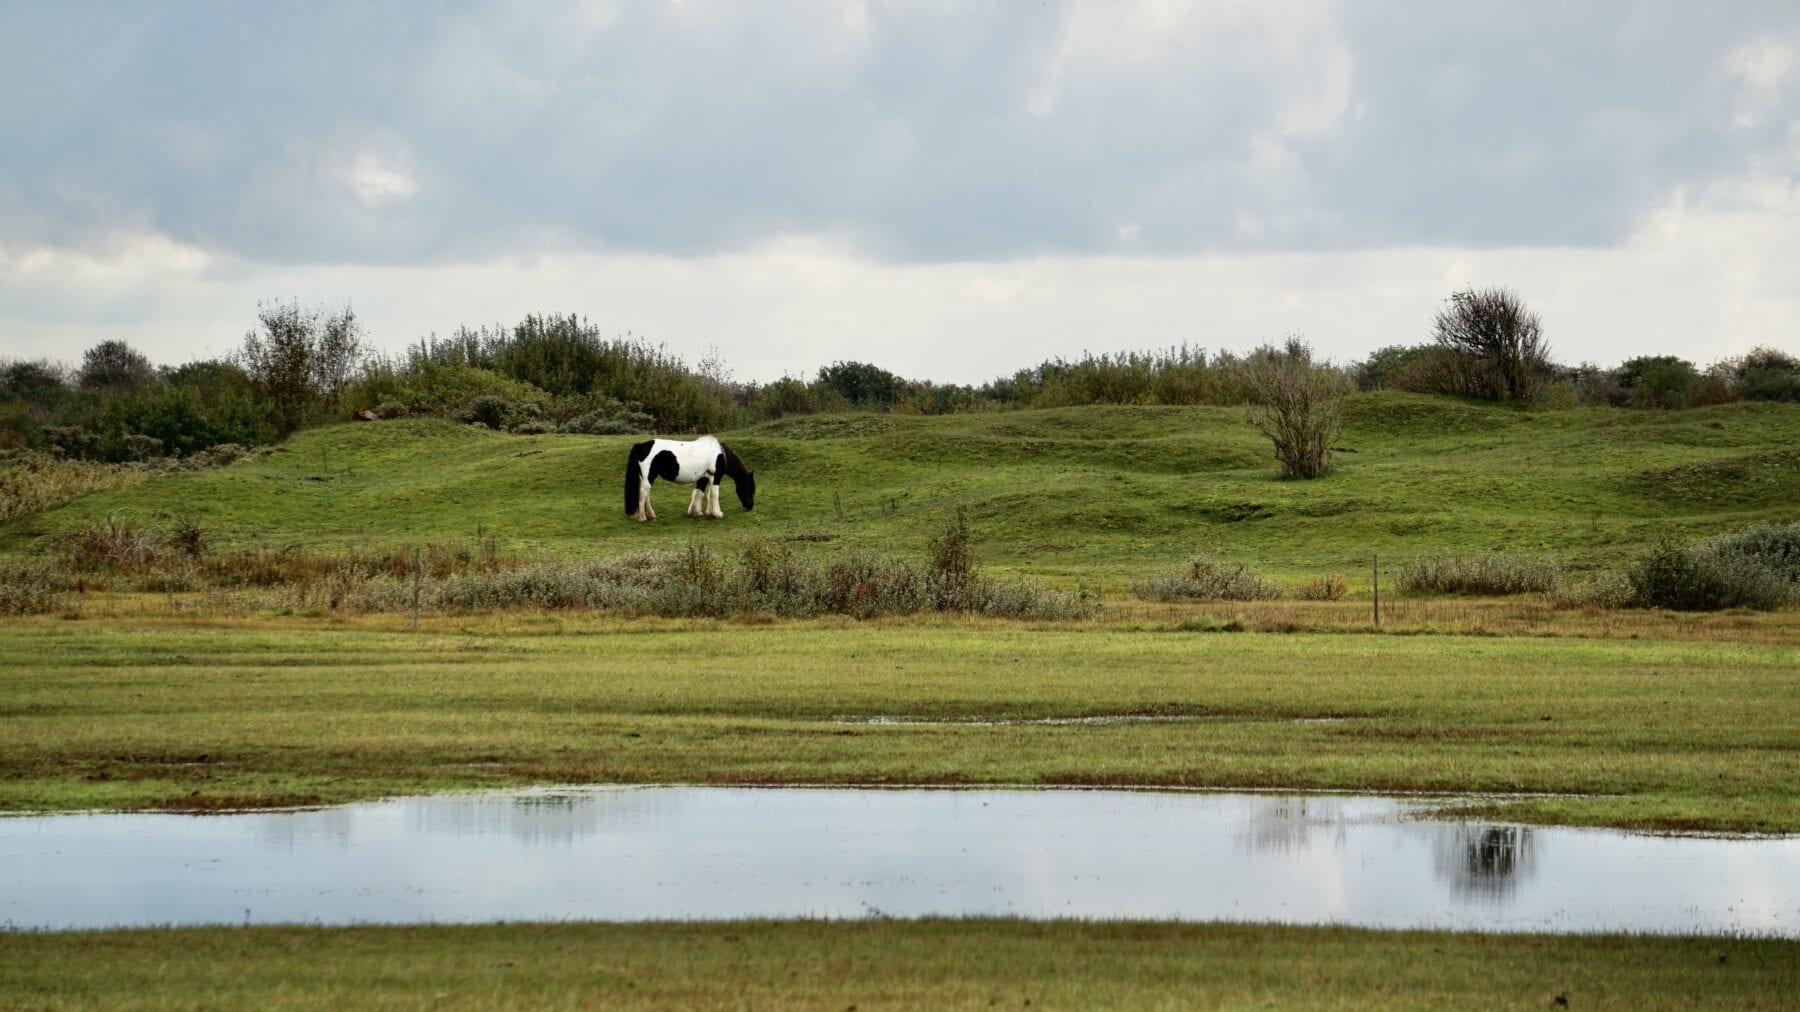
{"points": [[950, 189]]}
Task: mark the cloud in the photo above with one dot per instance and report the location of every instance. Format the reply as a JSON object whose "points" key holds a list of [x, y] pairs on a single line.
{"points": [[912, 132], [1690, 279], [1761, 69], [373, 181]]}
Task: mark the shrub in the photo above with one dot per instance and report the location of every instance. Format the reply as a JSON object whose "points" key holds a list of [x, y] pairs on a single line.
{"points": [[1704, 578], [1658, 381], [1489, 573], [111, 545], [496, 412], [1775, 547], [1324, 588], [1298, 405], [1207, 578], [952, 556], [1496, 344], [31, 588], [1766, 374], [610, 417], [596, 424]]}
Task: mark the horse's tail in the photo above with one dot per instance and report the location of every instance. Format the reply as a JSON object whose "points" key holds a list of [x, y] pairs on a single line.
{"points": [[634, 475]]}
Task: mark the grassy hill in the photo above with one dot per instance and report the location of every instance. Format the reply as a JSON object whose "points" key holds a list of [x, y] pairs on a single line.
{"points": [[1098, 492]]}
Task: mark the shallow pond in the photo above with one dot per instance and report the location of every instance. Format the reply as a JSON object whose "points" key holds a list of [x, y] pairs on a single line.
{"points": [[652, 853]]}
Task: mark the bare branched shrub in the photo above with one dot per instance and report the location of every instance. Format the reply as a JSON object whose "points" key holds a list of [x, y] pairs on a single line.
{"points": [[1489, 573], [1497, 344], [31, 588], [1324, 588], [953, 563], [1297, 404], [1208, 578], [113, 545]]}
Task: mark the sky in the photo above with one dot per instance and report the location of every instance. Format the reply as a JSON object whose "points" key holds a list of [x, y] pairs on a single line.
{"points": [[952, 190]]}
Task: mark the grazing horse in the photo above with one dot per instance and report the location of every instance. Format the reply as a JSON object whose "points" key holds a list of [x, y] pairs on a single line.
{"points": [[702, 461]]}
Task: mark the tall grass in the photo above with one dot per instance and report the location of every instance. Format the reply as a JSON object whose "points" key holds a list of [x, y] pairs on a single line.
{"points": [[765, 577], [35, 482], [1496, 573]]}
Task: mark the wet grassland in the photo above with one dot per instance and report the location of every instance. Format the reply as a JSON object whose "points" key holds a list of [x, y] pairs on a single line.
{"points": [[1595, 723]]}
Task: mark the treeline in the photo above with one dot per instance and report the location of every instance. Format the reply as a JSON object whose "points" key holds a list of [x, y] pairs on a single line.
{"points": [[559, 373]]}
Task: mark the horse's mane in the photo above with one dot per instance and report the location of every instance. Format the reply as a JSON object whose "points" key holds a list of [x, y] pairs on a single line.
{"points": [[734, 468], [634, 474]]}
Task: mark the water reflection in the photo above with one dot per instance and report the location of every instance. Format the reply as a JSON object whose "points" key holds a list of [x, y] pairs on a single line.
{"points": [[709, 853], [1484, 862], [1288, 824]]}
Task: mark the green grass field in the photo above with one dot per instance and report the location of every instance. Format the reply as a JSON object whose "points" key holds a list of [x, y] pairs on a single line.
{"points": [[961, 964], [1098, 493], [170, 713], [1636, 719]]}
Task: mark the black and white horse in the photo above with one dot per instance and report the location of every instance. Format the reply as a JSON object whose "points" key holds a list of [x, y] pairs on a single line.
{"points": [[701, 461]]}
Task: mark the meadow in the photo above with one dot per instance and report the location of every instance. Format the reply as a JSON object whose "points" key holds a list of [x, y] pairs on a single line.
{"points": [[144, 691], [1093, 495]]}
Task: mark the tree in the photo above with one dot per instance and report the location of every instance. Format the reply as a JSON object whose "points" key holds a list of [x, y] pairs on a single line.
{"points": [[1298, 404], [338, 353], [862, 384], [115, 365], [300, 357], [31, 380], [1497, 344]]}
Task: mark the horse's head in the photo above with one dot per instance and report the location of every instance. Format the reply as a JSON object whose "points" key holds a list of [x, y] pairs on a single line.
{"points": [[746, 490]]}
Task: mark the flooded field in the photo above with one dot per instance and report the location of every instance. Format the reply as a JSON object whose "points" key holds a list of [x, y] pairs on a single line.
{"points": [[658, 853]]}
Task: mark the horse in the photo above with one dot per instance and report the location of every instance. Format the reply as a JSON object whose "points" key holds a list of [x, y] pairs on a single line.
{"points": [[703, 461]]}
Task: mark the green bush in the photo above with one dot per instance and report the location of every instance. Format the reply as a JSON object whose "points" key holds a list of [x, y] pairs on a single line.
{"points": [[1706, 577], [497, 412], [1766, 374], [181, 423]]}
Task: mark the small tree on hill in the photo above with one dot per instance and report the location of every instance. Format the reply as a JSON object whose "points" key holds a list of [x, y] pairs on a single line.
{"points": [[1297, 403], [1497, 344], [300, 357], [116, 366]]}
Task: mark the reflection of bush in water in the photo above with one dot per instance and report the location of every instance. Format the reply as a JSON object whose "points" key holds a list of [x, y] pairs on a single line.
{"points": [[1484, 861], [1288, 824]]}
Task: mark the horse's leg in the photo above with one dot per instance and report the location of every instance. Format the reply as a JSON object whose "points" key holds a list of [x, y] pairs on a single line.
{"points": [[713, 509], [644, 498], [697, 501]]}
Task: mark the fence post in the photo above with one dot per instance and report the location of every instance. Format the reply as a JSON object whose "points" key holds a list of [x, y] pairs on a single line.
{"points": [[1375, 572]]}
